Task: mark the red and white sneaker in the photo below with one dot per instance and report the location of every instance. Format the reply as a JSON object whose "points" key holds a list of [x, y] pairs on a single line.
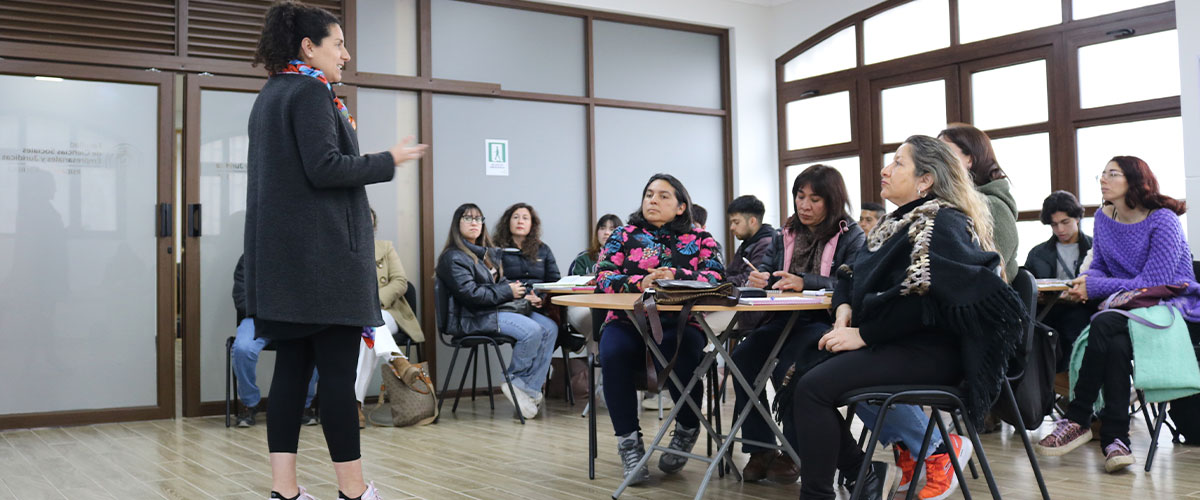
{"points": [[941, 481]]}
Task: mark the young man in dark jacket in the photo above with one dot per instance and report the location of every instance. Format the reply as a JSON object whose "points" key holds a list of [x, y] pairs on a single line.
{"points": [[745, 221], [1061, 257]]}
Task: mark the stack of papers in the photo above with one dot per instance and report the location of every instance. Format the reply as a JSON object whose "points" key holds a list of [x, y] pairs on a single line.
{"points": [[566, 283], [779, 301]]}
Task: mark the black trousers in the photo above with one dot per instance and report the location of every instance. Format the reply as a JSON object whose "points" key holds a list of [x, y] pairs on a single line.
{"points": [[751, 354], [1108, 366], [334, 352], [826, 444]]}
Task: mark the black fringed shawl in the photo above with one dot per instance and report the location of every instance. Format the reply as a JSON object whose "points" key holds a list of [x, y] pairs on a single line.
{"points": [[932, 252]]}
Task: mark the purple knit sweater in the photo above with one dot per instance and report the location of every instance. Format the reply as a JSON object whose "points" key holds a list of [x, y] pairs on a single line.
{"points": [[1149, 253]]}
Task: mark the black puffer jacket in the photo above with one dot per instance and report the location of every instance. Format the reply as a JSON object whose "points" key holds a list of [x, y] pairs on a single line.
{"points": [[517, 267], [473, 294]]}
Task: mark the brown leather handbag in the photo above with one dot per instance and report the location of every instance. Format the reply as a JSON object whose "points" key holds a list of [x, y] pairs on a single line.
{"points": [[414, 404]]}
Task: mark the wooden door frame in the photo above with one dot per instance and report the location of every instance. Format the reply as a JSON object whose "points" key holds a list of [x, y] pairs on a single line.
{"points": [[165, 258]]}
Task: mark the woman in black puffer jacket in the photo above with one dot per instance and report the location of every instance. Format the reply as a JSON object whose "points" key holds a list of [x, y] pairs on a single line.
{"points": [[470, 269]]}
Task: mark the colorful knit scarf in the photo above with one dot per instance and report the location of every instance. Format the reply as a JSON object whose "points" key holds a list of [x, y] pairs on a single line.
{"points": [[298, 67]]}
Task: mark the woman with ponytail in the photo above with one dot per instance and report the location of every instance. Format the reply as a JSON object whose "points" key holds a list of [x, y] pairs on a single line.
{"points": [[309, 253]]}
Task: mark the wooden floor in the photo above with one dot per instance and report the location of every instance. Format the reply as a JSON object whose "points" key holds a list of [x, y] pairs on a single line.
{"points": [[474, 454]]}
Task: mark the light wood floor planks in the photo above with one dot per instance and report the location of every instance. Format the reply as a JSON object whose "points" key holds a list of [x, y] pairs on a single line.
{"points": [[477, 454]]}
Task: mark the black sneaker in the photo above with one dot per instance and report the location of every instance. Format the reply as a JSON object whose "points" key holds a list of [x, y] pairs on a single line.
{"points": [[245, 417], [631, 450], [309, 417], [682, 439], [882, 481]]}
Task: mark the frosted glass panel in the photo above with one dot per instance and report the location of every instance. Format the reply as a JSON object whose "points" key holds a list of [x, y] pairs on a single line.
{"points": [[1158, 142], [632, 145], [982, 19], [1082, 9], [387, 37], [1026, 160], [1104, 69], [848, 167], [817, 121], [640, 63], [78, 302], [913, 109], [1009, 96], [547, 169], [223, 147], [911, 28], [518, 49], [835, 53], [385, 117]]}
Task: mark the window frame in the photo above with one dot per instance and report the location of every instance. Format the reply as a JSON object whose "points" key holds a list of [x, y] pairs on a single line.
{"points": [[1058, 44]]}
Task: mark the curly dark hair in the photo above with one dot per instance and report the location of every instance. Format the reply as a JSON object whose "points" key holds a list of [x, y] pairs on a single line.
{"points": [[1061, 201], [533, 241], [286, 24]]}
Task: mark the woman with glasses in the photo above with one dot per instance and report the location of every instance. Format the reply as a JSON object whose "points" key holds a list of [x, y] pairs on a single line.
{"points": [[1139, 242], [472, 271]]}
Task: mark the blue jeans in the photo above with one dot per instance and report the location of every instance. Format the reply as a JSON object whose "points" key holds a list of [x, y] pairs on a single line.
{"points": [[245, 358], [750, 355], [904, 423], [530, 363], [623, 359]]}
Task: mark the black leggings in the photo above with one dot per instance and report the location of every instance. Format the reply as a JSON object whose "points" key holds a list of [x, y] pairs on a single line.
{"points": [[825, 439], [334, 352]]}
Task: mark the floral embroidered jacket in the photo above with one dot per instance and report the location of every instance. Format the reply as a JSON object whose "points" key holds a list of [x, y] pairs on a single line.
{"points": [[632, 251]]}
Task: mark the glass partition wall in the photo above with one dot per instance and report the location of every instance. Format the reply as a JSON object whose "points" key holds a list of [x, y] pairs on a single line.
{"points": [[86, 306], [134, 222]]}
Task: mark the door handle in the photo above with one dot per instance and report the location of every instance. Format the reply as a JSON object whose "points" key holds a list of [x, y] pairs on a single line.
{"points": [[194, 220], [165, 219]]}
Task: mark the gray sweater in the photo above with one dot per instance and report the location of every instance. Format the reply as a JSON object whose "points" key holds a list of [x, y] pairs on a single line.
{"points": [[309, 249]]}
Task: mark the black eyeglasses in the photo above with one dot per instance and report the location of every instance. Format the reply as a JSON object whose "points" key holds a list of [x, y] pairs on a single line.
{"points": [[474, 218]]}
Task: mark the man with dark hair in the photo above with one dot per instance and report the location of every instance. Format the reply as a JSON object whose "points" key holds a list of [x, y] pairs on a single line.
{"points": [[745, 222], [699, 217], [869, 216], [1061, 257]]}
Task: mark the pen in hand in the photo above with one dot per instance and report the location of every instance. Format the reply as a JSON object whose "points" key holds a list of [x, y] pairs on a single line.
{"points": [[747, 261]]}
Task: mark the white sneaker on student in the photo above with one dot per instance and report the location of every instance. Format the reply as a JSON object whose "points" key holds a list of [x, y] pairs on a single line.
{"points": [[526, 403]]}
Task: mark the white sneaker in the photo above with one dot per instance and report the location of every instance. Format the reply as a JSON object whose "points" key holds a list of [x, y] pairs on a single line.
{"points": [[508, 395], [525, 402], [370, 494], [652, 402]]}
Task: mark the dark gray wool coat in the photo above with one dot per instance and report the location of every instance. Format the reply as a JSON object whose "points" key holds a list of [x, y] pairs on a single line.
{"points": [[309, 245]]}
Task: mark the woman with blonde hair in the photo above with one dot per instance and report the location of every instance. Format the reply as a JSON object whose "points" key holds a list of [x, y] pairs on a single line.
{"points": [[925, 296]]}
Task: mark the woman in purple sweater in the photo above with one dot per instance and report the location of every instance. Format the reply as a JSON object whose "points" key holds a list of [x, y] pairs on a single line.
{"points": [[1139, 243]]}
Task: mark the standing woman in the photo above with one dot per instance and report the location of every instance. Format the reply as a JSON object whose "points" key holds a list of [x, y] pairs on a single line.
{"points": [[309, 258], [974, 151]]}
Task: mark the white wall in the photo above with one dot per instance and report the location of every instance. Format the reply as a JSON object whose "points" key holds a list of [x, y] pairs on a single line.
{"points": [[1187, 20], [753, 80], [758, 35]]}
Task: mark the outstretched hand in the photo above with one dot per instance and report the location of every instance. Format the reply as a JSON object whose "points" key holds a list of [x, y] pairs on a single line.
{"points": [[402, 152]]}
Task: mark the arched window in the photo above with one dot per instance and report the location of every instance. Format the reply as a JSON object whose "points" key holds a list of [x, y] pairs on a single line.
{"points": [[1060, 86]]}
